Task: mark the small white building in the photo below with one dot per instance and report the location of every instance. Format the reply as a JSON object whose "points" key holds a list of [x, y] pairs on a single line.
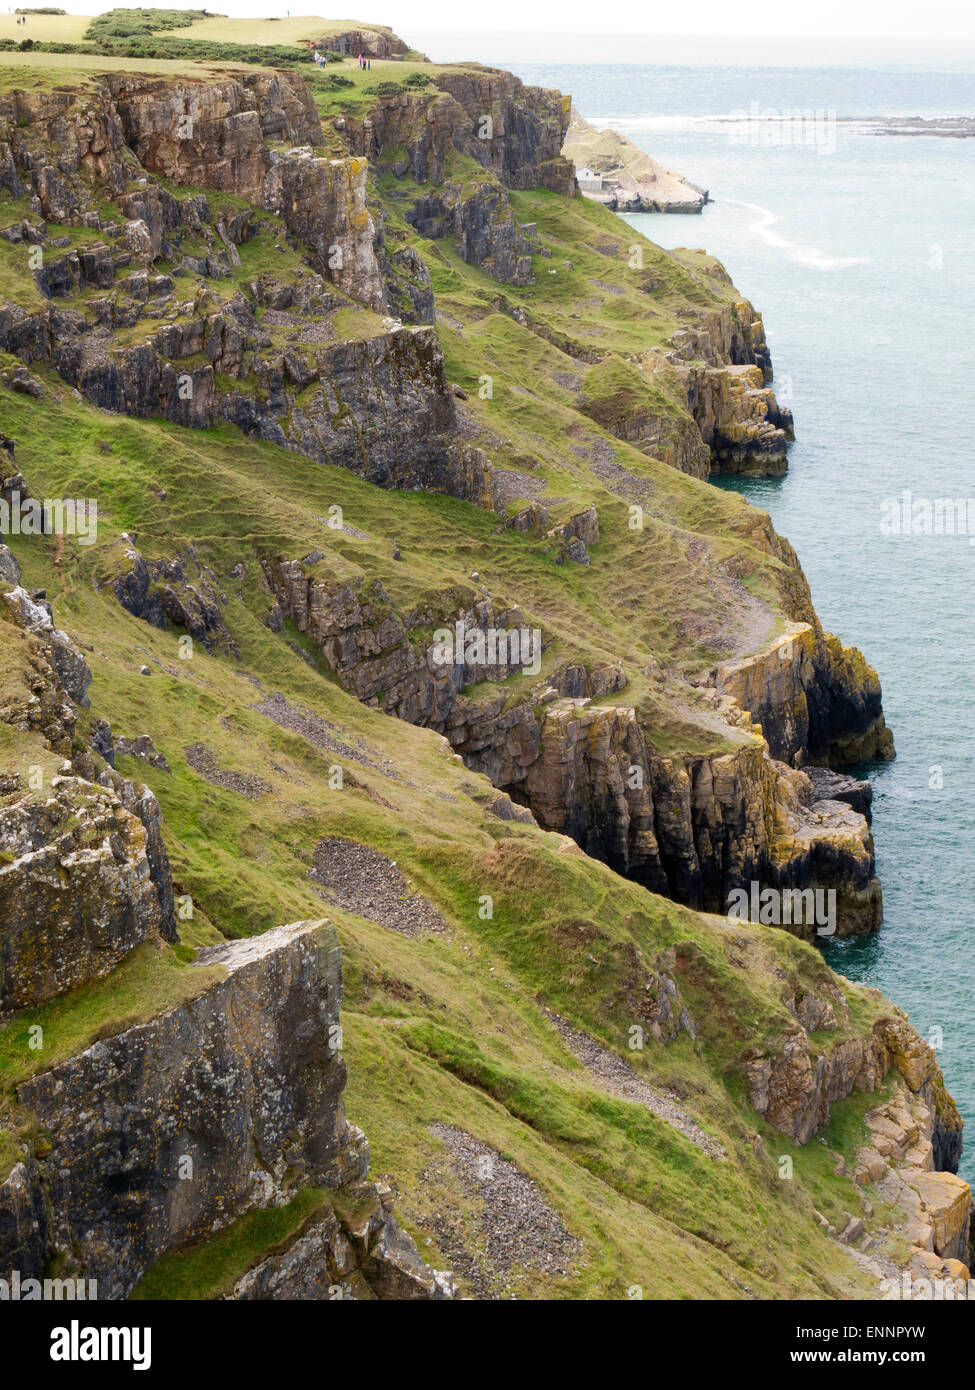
{"points": [[589, 180]]}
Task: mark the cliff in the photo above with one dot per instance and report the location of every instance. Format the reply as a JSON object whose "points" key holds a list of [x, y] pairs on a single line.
{"points": [[163, 1133], [411, 620]]}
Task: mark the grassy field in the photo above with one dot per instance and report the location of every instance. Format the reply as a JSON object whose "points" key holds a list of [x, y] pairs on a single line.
{"points": [[45, 28], [71, 28], [47, 70], [290, 29]]}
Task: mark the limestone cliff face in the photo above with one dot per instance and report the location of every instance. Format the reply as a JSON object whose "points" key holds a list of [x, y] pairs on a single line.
{"points": [[482, 226], [911, 1154], [693, 828], [724, 365], [816, 700], [379, 405], [163, 1133], [323, 202], [217, 1082], [376, 402], [715, 369], [914, 1138], [512, 130], [739, 419], [158, 1134], [216, 135], [794, 1083]]}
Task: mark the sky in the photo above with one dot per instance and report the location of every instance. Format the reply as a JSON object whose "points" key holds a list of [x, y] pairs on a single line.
{"points": [[934, 20], [933, 35]]}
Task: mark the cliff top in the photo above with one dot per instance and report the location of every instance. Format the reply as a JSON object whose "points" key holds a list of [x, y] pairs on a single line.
{"points": [[49, 50]]}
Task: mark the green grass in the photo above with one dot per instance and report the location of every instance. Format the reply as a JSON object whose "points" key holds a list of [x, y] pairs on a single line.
{"points": [[211, 1268]]}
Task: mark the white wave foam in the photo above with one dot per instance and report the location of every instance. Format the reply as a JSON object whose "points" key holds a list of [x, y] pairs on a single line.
{"points": [[794, 250]]}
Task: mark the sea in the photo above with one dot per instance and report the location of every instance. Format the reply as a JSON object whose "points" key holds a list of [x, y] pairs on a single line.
{"points": [[858, 249]]}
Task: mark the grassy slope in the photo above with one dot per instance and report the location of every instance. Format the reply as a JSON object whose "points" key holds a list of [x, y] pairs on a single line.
{"points": [[451, 1027], [448, 1027]]}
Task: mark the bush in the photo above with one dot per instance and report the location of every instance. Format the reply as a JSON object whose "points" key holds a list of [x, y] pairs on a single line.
{"points": [[201, 50], [123, 24], [416, 79], [327, 81]]}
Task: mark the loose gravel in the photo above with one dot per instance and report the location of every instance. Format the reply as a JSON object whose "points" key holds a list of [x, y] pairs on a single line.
{"points": [[202, 760], [312, 729], [358, 879], [517, 1228]]}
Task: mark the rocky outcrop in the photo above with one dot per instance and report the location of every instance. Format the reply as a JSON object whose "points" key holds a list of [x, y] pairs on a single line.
{"points": [[703, 404], [512, 130], [215, 1088], [76, 890], [626, 179], [794, 1085], [372, 650], [97, 854], [739, 419], [159, 1133], [158, 592], [9, 568], [366, 1256], [697, 829], [574, 537], [323, 202], [69, 665], [482, 225], [214, 134], [207, 135], [166, 1131], [372, 42], [816, 701], [378, 405]]}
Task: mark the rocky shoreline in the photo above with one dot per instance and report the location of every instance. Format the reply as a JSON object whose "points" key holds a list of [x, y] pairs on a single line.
{"points": [[616, 173]]}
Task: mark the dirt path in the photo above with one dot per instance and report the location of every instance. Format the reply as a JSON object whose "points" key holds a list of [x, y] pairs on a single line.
{"points": [[617, 1078], [517, 1229]]}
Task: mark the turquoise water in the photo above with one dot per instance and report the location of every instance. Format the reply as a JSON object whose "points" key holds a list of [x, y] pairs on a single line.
{"points": [[862, 263]]}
